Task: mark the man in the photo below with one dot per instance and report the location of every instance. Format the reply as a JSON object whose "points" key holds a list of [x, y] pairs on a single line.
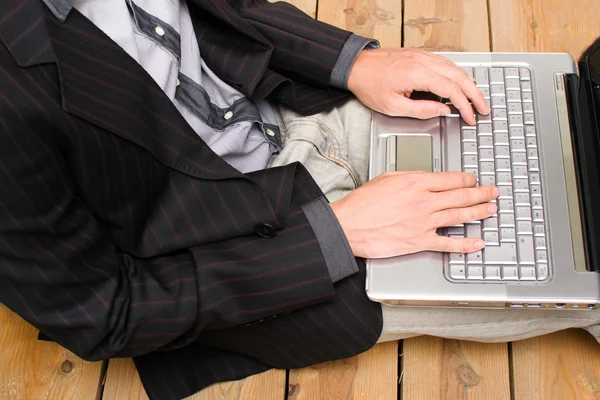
{"points": [[151, 208]]}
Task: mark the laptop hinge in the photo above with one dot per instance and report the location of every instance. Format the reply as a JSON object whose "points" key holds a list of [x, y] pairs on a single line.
{"points": [[585, 148]]}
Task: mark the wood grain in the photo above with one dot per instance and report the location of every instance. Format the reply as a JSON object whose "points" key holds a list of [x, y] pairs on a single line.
{"points": [[563, 365], [371, 375], [435, 368], [379, 19], [544, 25], [446, 25], [269, 385], [123, 382], [308, 6], [32, 369]]}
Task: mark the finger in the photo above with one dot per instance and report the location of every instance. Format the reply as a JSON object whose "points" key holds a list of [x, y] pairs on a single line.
{"points": [[475, 95], [467, 85], [445, 87], [443, 181], [465, 197], [452, 71], [455, 216], [454, 245], [421, 109]]}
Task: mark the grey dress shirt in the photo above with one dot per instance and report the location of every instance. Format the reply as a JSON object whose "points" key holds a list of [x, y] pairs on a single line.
{"points": [[159, 35]]}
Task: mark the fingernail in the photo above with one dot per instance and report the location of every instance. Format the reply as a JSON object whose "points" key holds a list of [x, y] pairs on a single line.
{"points": [[496, 192], [480, 244], [442, 112], [492, 208]]}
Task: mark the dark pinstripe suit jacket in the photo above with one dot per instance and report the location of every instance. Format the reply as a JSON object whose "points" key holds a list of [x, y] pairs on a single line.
{"points": [[122, 234]]}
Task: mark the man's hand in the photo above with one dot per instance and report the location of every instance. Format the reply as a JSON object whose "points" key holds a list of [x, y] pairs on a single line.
{"points": [[384, 79], [399, 212]]}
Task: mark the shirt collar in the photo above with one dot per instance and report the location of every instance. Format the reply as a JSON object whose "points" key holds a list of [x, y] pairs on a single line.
{"points": [[60, 8]]}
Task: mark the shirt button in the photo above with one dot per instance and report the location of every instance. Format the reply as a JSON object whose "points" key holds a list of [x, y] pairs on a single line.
{"points": [[270, 132], [228, 115], [265, 230], [159, 31]]}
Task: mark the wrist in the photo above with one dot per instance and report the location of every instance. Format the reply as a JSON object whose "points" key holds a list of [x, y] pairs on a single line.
{"points": [[356, 70], [343, 218]]}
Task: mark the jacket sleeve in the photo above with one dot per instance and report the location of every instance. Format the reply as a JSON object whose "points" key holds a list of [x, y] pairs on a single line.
{"points": [[304, 49], [352, 48], [61, 271]]}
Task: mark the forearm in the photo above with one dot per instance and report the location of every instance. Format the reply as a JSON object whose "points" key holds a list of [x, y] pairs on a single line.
{"points": [[304, 49], [63, 271], [103, 303]]}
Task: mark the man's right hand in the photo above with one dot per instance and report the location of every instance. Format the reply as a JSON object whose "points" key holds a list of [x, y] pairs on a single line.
{"points": [[399, 213], [400, 72]]}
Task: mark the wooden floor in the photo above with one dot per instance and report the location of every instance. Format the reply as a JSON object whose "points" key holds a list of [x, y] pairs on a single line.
{"points": [[561, 366]]}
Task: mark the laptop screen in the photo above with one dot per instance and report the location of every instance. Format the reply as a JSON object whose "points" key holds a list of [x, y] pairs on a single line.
{"points": [[587, 140], [592, 64]]}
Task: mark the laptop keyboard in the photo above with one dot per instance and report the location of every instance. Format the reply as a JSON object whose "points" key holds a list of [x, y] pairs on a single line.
{"points": [[502, 150]]}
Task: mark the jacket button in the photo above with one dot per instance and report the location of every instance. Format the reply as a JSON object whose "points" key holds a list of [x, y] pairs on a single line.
{"points": [[265, 230]]}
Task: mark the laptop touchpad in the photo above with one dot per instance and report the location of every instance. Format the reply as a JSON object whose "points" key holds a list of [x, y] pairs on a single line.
{"points": [[410, 153], [406, 144]]}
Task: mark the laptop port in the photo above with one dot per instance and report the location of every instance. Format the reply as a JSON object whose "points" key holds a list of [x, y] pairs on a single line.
{"points": [[591, 306], [560, 305], [534, 305], [517, 305]]}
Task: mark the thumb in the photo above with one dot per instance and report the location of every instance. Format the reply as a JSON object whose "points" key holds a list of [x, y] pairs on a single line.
{"points": [[421, 109]]}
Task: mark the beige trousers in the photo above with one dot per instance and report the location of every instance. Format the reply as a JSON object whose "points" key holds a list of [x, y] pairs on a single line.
{"points": [[334, 147]]}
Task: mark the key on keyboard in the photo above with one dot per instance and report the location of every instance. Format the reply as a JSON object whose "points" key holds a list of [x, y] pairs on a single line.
{"points": [[502, 150]]}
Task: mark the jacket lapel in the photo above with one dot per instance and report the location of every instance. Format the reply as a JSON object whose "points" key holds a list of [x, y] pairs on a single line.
{"points": [[103, 85]]}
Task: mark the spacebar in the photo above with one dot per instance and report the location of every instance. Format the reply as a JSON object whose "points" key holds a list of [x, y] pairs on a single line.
{"points": [[453, 148]]}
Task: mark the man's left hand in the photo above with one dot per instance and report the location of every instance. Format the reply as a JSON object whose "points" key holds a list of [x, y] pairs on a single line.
{"points": [[384, 79]]}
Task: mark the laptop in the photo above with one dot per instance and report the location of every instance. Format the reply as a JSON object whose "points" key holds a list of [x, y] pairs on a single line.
{"points": [[540, 146]]}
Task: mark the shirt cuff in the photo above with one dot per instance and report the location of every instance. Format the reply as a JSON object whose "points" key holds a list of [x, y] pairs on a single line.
{"points": [[334, 245], [352, 48]]}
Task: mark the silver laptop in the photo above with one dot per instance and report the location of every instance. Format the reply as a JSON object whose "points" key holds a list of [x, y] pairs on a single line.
{"points": [[540, 146]]}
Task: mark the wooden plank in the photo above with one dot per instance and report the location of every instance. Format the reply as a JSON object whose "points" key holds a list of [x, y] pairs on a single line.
{"points": [[370, 375], [563, 365], [123, 382], [373, 374], [269, 385], [379, 19], [32, 369], [544, 25], [435, 368], [446, 25]]}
